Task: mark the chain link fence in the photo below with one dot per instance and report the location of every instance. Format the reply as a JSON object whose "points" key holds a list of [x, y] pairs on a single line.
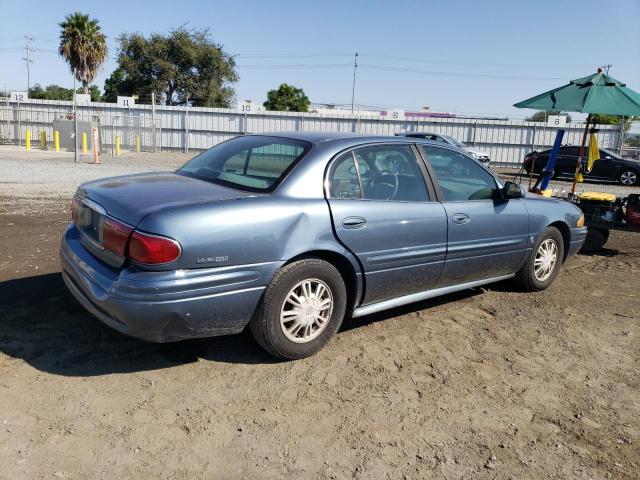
{"points": [[630, 152], [60, 131], [146, 127], [132, 133]]}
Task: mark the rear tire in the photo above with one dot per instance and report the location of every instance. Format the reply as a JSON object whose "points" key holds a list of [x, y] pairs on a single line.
{"points": [[543, 264], [302, 308], [628, 177]]}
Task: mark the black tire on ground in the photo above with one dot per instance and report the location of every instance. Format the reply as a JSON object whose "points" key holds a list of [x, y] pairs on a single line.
{"points": [[265, 324], [628, 177], [526, 276], [596, 239]]}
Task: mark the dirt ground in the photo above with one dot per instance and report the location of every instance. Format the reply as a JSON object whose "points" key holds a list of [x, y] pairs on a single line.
{"points": [[488, 383]]}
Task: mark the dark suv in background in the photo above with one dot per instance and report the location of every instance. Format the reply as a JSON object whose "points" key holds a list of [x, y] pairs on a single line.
{"points": [[611, 167]]}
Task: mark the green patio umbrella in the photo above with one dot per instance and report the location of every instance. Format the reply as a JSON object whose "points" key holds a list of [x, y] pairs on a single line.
{"points": [[595, 94]]}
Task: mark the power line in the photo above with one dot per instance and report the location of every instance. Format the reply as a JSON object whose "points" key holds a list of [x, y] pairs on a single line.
{"points": [[413, 59], [295, 65], [456, 74], [473, 64], [395, 69], [292, 55]]}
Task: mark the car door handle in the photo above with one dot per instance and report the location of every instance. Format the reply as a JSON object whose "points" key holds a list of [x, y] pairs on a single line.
{"points": [[460, 218], [354, 222]]}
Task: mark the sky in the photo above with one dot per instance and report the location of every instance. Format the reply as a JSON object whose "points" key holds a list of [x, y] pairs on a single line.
{"points": [[467, 57]]}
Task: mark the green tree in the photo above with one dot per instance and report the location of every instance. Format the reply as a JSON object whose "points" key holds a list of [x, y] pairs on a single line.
{"points": [[184, 65], [633, 141], [56, 92], [542, 116], [287, 98], [94, 91], [615, 120], [83, 46], [51, 92]]}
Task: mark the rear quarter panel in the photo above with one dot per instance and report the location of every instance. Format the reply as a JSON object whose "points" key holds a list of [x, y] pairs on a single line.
{"points": [[259, 229]]}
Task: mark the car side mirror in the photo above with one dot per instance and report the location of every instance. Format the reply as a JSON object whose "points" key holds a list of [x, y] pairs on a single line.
{"points": [[512, 190]]}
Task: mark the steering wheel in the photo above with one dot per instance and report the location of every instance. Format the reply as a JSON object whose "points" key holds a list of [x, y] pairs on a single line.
{"points": [[388, 179]]}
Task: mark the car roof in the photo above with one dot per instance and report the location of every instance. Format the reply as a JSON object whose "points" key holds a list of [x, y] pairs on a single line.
{"points": [[341, 137], [407, 134]]}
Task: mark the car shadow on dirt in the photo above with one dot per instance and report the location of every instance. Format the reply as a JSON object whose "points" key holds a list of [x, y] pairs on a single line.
{"points": [[42, 324]]}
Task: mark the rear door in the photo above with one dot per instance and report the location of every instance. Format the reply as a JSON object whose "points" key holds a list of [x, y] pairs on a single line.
{"points": [[487, 235], [605, 168], [385, 211], [566, 161]]}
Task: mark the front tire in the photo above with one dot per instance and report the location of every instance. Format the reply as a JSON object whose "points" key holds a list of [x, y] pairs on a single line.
{"points": [[596, 240], [302, 308], [543, 264], [628, 177]]}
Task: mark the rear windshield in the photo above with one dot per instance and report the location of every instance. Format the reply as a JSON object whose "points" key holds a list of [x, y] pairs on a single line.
{"points": [[256, 163]]}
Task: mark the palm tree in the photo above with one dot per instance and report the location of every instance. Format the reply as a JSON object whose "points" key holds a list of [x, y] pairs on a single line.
{"points": [[83, 46]]}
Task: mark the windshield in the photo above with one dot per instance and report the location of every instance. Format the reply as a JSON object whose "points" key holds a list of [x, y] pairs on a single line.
{"points": [[455, 142], [254, 162], [606, 152]]}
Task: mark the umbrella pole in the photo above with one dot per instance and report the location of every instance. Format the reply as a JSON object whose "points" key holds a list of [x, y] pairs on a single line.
{"points": [[581, 154]]}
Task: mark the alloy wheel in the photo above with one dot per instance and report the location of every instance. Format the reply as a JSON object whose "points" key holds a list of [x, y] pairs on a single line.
{"points": [[306, 310], [628, 177], [546, 259]]}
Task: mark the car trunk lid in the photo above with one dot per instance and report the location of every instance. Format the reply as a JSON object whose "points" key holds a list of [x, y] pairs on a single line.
{"points": [[129, 199]]}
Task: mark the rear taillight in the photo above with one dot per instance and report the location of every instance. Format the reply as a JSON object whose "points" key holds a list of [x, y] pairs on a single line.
{"points": [[152, 249], [75, 206], [115, 235]]}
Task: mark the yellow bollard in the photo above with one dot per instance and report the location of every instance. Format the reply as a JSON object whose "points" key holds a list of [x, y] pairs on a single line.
{"points": [[117, 145], [27, 139], [84, 142], [43, 140], [56, 140], [138, 144]]}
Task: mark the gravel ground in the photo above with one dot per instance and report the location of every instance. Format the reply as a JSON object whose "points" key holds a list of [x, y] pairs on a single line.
{"points": [[46, 174], [589, 186], [29, 180], [490, 383]]}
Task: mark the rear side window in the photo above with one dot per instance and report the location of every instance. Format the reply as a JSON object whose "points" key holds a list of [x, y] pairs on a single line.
{"points": [[344, 182], [381, 172], [459, 177], [256, 163]]}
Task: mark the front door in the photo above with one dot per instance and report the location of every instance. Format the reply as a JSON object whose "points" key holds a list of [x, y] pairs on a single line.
{"points": [[488, 236], [384, 212]]}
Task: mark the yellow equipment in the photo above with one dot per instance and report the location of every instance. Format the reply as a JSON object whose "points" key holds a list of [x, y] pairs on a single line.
{"points": [[597, 196]]}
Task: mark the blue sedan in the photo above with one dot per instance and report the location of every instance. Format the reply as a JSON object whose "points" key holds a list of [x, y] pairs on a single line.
{"points": [[291, 233]]}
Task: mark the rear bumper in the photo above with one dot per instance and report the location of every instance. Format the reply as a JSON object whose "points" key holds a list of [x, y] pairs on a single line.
{"points": [[578, 236], [164, 306]]}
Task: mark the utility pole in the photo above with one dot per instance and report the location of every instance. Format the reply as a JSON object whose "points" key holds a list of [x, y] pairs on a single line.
{"points": [[27, 59], [353, 89], [75, 121]]}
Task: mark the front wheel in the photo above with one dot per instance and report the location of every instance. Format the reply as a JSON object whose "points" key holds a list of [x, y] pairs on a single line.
{"points": [[302, 308], [628, 177], [596, 239], [543, 264]]}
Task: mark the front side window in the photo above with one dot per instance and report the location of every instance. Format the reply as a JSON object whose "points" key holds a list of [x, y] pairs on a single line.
{"points": [[459, 177], [381, 172], [256, 163]]}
